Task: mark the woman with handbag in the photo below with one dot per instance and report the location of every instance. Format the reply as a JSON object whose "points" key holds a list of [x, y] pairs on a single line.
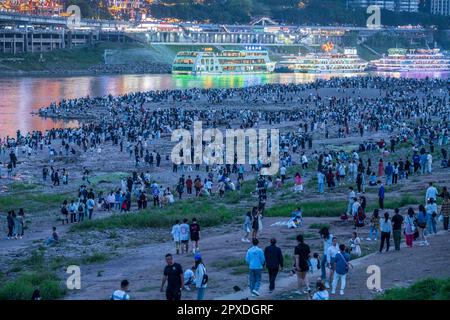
{"points": [[410, 228]]}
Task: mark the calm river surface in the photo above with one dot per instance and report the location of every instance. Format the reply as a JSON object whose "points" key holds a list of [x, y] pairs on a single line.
{"points": [[22, 95]]}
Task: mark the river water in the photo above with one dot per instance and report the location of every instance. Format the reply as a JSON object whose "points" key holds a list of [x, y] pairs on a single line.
{"points": [[20, 96]]}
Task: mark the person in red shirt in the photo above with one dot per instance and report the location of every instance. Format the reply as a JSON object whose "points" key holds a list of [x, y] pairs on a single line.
{"points": [[189, 185]]}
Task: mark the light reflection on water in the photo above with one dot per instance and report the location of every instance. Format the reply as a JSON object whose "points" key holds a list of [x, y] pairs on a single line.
{"points": [[21, 96]]}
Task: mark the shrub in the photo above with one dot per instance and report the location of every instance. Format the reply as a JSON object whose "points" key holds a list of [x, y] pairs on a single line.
{"points": [[22, 288], [207, 212], [427, 289]]}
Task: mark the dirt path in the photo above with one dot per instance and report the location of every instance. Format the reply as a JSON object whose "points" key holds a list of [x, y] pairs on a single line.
{"points": [[143, 266]]}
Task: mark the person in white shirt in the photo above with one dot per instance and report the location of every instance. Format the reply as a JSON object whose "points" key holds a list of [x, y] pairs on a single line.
{"points": [[355, 207], [176, 235], [184, 236], [431, 193], [351, 196], [429, 162], [283, 173], [111, 199], [121, 294], [355, 244], [331, 255]]}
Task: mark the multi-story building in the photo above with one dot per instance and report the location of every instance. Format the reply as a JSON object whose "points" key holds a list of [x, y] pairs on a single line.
{"points": [[441, 7], [391, 5]]}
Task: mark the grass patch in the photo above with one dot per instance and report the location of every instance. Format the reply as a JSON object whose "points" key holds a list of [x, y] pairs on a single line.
{"points": [[306, 235], [319, 226], [108, 178], [22, 288], [404, 200], [428, 289], [237, 266], [310, 209], [207, 213], [97, 257], [22, 186], [35, 201]]}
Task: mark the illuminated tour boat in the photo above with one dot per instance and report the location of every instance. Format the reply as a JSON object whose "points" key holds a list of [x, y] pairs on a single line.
{"points": [[328, 61], [413, 60], [249, 61]]}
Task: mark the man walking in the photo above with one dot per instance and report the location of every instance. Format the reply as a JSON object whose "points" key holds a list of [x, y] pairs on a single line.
{"points": [[274, 261], [381, 197], [397, 221], [255, 259], [173, 275]]}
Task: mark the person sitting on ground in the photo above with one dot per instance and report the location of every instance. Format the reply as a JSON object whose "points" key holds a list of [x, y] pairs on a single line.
{"points": [[53, 239], [189, 278], [121, 294], [322, 292]]}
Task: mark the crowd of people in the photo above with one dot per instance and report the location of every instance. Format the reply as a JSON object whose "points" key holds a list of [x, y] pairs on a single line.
{"points": [[410, 112]]}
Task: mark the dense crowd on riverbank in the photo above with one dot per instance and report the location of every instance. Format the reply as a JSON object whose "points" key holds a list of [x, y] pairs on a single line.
{"points": [[415, 112]]}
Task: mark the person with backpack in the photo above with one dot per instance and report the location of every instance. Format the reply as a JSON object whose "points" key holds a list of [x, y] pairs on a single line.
{"points": [[80, 210], [201, 277], [180, 189], [386, 230], [422, 224], [341, 267], [121, 294], [397, 222], [90, 204]]}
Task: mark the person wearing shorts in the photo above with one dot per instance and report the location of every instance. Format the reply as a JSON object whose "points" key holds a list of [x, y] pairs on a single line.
{"points": [[184, 236], [302, 253], [176, 235], [194, 231]]}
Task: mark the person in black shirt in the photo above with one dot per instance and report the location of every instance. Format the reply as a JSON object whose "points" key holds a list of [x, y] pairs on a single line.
{"points": [[397, 221], [173, 274], [302, 253], [274, 261], [194, 231]]}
